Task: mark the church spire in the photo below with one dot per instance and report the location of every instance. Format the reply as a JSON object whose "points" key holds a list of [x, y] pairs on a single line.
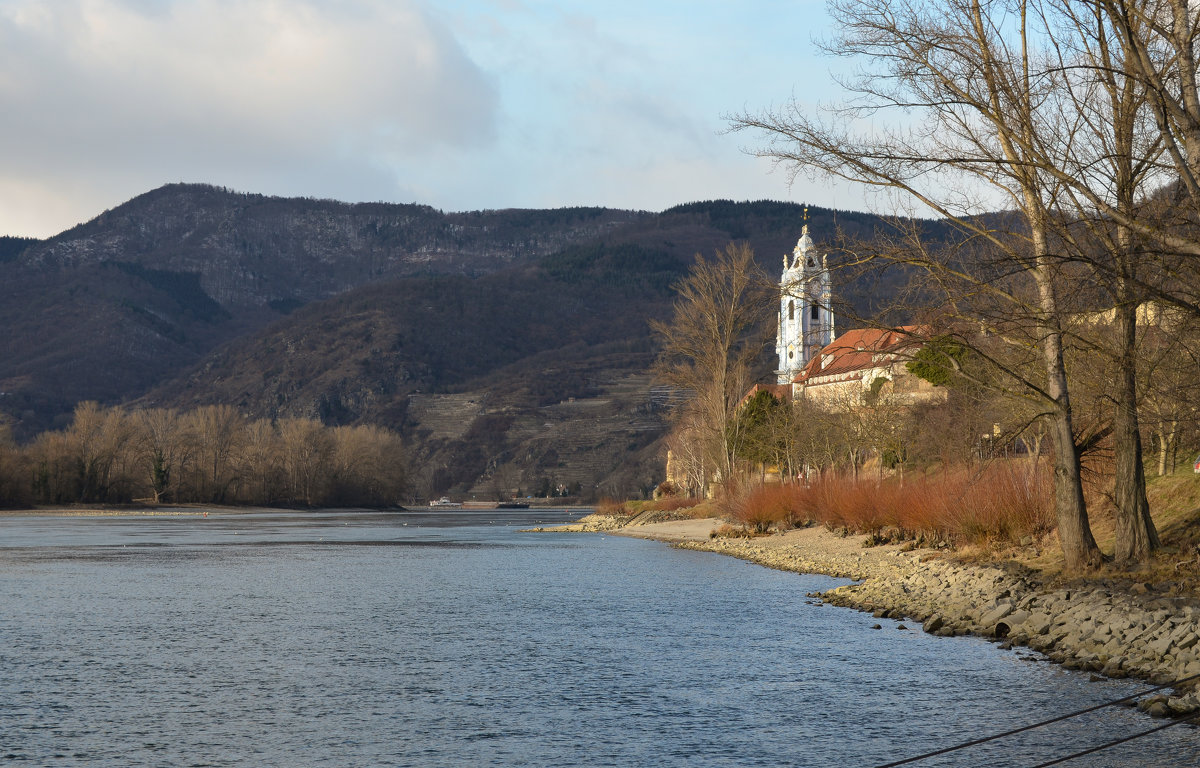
{"points": [[805, 317]]}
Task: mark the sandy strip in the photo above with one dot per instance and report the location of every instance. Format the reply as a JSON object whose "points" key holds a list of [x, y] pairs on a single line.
{"points": [[804, 550], [673, 531]]}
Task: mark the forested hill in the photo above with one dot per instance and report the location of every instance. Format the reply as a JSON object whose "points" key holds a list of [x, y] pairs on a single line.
{"points": [[12, 247], [463, 330], [254, 250]]}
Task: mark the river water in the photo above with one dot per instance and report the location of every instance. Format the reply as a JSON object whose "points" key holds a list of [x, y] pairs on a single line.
{"points": [[405, 639]]}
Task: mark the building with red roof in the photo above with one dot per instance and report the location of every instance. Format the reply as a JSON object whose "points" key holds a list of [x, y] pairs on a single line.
{"points": [[865, 360]]}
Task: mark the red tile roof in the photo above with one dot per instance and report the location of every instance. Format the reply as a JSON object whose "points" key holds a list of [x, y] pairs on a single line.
{"points": [[858, 350]]}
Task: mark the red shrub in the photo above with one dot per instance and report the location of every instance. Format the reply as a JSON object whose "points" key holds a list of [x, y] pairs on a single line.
{"points": [[769, 505], [1002, 501]]}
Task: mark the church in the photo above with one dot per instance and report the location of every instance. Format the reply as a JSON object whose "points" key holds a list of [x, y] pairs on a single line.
{"points": [[832, 373], [818, 366], [805, 324]]}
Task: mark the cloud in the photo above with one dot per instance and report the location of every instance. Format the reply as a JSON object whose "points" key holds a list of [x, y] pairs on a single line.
{"points": [[260, 95], [459, 104]]}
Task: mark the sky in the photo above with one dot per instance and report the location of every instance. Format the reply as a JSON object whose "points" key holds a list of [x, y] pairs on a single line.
{"points": [[458, 104]]}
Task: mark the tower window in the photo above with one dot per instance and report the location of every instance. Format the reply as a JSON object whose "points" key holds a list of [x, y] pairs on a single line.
{"points": [[791, 310], [816, 312]]}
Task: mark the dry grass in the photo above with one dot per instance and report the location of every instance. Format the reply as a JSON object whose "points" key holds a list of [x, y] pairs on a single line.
{"points": [[674, 503], [735, 532], [613, 508], [987, 513], [1175, 507], [769, 506]]}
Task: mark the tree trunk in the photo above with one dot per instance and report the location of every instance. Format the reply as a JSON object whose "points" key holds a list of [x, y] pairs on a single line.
{"points": [[1079, 547], [1136, 536], [1075, 535]]}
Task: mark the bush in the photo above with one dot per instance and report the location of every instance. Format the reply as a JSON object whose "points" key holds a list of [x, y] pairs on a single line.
{"points": [[666, 488], [1003, 502], [768, 506]]}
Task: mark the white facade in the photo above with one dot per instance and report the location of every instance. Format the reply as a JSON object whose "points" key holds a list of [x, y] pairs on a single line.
{"points": [[805, 311]]}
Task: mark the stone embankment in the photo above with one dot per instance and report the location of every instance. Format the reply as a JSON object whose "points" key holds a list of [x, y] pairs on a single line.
{"points": [[1112, 629]]}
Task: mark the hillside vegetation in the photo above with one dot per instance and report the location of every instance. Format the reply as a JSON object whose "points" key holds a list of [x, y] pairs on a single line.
{"points": [[192, 295]]}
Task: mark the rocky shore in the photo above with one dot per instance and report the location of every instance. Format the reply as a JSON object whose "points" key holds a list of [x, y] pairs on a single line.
{"points": [[1112, 629]]}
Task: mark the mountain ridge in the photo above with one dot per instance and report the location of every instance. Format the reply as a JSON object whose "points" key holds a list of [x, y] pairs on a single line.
{"points": [[191, 294]]}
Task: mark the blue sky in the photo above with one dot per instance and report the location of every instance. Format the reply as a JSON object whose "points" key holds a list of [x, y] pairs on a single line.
{"points": [[460, 104]]}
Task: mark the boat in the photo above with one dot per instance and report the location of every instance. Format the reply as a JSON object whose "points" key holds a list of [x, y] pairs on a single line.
{"points": [[445, 503]]}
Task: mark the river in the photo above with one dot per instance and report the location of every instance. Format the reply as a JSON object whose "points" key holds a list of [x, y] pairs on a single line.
{"points": [[409, 639]]}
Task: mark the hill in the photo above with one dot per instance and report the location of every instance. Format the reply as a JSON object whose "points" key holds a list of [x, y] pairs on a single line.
{"points": [[509, 347]]}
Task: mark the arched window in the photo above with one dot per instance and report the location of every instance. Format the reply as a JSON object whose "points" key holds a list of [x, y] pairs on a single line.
{"points": [[791, 310]]}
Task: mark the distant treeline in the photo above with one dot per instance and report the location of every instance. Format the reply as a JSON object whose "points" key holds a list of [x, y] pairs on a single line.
{"points": [[11, 247], [211, 454]]}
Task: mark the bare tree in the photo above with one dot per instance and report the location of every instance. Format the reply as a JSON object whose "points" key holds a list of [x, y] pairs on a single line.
{"points": [[102, 444], [1160, 39], [209, 454], [14, 490], [972, 76], [367, 465], [710, 344], [165, 450], [1108, 161], [307, 449], [260, 464], [686, 463], [217, 431], [1170, 357]]}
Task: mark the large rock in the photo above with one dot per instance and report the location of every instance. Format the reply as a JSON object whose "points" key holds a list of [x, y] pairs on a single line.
{"points": [[1000, 611], [1038, 623]]}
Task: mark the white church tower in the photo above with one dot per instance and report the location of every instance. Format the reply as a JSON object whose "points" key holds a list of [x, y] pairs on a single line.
{"points": [[805, 309]]}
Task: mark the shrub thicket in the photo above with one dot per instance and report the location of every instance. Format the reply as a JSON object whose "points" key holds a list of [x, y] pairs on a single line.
{"points": [[208, 455], [1000, 502]]}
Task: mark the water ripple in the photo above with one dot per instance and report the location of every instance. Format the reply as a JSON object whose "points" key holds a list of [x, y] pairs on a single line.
{"points": [[262, 642]]}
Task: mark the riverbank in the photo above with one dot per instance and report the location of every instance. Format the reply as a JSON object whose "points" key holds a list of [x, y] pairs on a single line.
{"points": [[168, 510], [122, 511], [1112, 628]]}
